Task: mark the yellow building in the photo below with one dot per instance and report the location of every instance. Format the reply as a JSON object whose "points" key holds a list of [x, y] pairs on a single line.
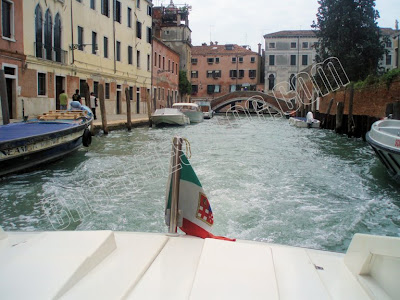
{"points": [[70, 42]]}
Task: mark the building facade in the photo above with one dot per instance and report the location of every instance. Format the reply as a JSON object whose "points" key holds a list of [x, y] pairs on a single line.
{"points": [[220, 69], [70, 43], [391, 40], [286, 54], [165, 75], [12, 58]]}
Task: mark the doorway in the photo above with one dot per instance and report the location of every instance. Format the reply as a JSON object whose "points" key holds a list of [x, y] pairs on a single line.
{"points": [[118, 99], [10, 96], [138, 100], [59, 88]]}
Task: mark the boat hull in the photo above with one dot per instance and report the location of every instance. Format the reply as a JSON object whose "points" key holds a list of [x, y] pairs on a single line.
{"points": [[169, 116], [301, 122], [384, 138], [194, 116]]}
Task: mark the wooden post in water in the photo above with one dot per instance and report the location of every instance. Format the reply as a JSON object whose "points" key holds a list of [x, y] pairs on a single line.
{"points": [[176, 173], [339, 117], [389, 109], [128, 110], [86, 92], [4, 100], [350, 121], [103, 109], [396, 110], [149, 111], [328, 111]]}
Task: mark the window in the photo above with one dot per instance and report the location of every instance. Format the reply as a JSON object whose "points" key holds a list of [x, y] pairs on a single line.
{"points": [[138, 58], [211, 89], [96, 88], [138, 3], [252, 73], [388, 59], [41, 84], [304, 60], [388, 44], [130, 55], [305, 45], [195, 89], [48, 35], [272, 60], [117, 11], [233, 73], [217, 60], [105, 7], [148, 62], [194, 61], [93, 4], [252, 59], [148, 35], [240, 59], [82, 84], [271, 45], [210, 60], [233, 59], [214, 74], [169, 65], [217, 74], [138, 30], [271, 82], [292, 60], [118, 51], [107, 92], [57, 38], [155, 59], [159, 61], [7, 19], [80, 38], [159, 93], [195, 74], [148, 10], [39, 31], [105, 41], [292, 82], [163, 63], [94, 42], [130, 93], [129, 17], [241, 73], [293, 45], [173, 67]]}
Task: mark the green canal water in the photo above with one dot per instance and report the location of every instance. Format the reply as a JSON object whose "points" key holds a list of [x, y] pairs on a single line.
{"points": [[266, 181]]}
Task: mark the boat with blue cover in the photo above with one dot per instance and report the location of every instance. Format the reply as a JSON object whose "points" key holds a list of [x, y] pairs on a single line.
{"points": [[50, 136]]}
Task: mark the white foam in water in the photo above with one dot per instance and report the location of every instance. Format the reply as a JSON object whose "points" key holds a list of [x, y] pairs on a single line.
{"points": [[265, 180]]}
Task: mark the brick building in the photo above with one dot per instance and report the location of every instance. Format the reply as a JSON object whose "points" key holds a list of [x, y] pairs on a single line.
{"points": [[165, 77], [12, 58], [220, 69]]}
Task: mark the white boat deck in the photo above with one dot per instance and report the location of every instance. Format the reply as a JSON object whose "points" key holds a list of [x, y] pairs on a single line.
{"points": [[124, 265]]}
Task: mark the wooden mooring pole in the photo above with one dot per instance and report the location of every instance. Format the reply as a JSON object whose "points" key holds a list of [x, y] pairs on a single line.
{"points": [[103, 109], [350, 121], [396, 110], [128, 110], [4, 100], [328, 111], [339, 117]]}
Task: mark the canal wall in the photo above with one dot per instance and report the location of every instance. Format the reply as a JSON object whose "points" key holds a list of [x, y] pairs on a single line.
{"points": [[369, 105]]}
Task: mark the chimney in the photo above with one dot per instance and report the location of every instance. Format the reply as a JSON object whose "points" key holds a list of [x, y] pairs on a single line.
{"points": [[204, 44], [259, 48], [211, 43], [396, 25], [216, 43]]}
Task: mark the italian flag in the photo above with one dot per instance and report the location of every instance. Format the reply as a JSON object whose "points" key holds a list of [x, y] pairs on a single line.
{"points": [[196, 215]]}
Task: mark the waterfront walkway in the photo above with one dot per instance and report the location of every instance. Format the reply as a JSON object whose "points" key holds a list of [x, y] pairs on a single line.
{"points": [[119, 121]]}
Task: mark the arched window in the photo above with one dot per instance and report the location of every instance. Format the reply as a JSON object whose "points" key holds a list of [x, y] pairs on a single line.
{"points": [[292, 82], [38, 31], [271, 82], [57, 37], [48, 35]]}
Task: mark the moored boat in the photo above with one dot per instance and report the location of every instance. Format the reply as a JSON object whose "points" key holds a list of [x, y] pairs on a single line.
{"points": [[205, 107], [191, 110], [169, 116], [51, 136], [384, 138], [302, 122]]}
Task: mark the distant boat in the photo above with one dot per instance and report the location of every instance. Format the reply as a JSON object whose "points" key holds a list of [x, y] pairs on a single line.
{"points": [[302, 122], [51, 136], [169, 116], [191, 110], [384, 138], [205, 107]]}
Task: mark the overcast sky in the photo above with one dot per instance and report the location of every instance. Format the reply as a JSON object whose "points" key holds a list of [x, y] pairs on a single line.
{"points": [[245, 22]]}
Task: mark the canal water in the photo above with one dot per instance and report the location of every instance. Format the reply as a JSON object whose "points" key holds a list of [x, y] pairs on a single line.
{"points": [[266, 181]]}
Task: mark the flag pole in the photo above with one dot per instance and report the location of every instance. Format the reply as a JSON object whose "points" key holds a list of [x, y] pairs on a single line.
{"points": [[176, 173]]}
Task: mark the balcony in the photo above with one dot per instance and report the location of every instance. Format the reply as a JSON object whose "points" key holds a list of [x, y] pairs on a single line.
{"points": [[49, 53]]}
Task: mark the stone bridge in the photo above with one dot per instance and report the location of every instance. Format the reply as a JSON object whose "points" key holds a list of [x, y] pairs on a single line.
{"points": [[264, 101]]}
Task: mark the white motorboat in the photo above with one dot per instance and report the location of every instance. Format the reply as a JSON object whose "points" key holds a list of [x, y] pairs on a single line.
{"points": [[384, 138], [205, 107], [169, 116], [191, 110], [302, 122]]}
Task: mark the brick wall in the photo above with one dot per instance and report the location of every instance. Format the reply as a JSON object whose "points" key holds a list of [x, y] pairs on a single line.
{"points": [[370, 101]]}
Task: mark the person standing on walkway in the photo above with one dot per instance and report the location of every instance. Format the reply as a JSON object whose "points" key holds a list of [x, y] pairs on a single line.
{"points": [[63, 100], [93, 104], [77, 97]]}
